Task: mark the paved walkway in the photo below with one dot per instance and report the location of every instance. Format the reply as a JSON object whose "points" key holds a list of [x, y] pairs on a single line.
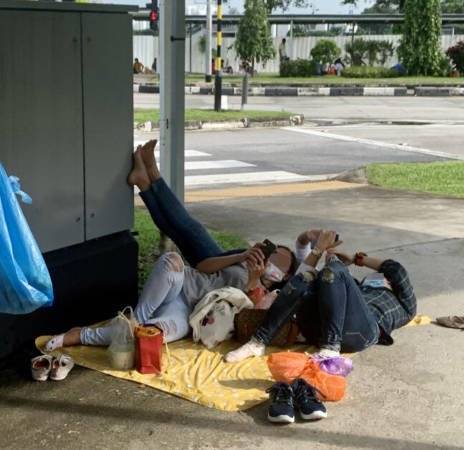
{"points": [[408, 396]]}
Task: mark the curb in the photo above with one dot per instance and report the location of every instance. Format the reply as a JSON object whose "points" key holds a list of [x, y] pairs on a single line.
{"points": [[293, 121], [337, 91]]}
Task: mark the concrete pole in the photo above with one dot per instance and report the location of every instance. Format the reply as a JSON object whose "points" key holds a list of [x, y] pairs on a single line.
{"points": [[172, 94], [209, 31]]}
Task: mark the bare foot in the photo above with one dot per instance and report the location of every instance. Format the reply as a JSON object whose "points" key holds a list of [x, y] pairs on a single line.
{"points": [[139, 176], [148, 157]]}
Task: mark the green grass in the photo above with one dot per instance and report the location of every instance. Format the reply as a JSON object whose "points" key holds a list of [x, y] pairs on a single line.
{"points": [[441, 178], [148, 239], [274, 79], [207, 115]]}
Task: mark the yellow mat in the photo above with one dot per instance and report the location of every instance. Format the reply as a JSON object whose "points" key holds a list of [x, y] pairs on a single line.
{"points": [[198, 374], [194, 373]]}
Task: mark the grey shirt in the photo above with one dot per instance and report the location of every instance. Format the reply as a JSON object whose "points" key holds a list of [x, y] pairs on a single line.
{"points": [[198, 284]]}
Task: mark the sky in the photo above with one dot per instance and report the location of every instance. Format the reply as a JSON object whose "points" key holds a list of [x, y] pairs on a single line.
{"points": [[321, 6]]}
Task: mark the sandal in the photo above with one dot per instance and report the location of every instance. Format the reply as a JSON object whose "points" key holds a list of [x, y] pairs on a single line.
{"points": [[41, 367], [61, 366], [451, 322]]}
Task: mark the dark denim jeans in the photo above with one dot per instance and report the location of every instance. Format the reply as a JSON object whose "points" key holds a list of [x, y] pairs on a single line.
{"points": [[172, 219], [331, 311]]}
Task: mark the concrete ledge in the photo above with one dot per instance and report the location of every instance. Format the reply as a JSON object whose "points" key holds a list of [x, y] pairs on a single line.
{"points": [[296, 120], [333, 91]]}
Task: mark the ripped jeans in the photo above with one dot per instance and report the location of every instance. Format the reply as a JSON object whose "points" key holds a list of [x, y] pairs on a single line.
{"points": [[330, 311], [162, 303]]}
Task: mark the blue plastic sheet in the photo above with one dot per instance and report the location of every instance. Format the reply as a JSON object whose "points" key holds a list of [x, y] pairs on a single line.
{"points": [[25, 283]]}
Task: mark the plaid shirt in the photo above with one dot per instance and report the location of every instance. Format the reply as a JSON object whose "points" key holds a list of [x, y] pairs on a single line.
{"points": [[391, 309]]}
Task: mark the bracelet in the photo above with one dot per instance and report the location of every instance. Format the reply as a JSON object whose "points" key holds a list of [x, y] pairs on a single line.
{"points": [[359, 259], [316, 252]]}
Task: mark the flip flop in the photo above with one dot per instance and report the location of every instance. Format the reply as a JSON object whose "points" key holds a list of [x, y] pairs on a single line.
{"points": [[451, 322]]}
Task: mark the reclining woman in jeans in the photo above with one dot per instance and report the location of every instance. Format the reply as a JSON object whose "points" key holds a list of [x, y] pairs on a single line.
{"points": [[173, 289], [332, 310]]}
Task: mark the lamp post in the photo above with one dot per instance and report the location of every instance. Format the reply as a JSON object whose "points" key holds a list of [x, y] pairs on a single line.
{"points": [[218, 65]]}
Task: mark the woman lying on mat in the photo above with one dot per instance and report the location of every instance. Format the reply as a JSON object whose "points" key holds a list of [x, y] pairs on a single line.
{"points": [[333, 310], [173, 289]]}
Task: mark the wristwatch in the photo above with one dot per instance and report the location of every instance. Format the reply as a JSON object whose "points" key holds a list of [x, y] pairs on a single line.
{"points": [[316, 252], [359, 258]]}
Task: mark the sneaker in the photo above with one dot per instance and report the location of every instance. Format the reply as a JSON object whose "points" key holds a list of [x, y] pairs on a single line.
{"points": [[251, 348], [61, 367], [323, 353], [281, 409], [41, 367], [305, 399]]}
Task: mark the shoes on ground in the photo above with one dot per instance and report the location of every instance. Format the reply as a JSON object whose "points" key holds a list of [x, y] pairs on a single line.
{"points": [[451, 322], [44, 367], [305, 396], [41, 367], [281, 409], [61, 367], [251, 348]]}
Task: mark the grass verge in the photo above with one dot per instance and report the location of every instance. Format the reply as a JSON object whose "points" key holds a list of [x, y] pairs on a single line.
{"points": [[441, 178], [274, 79], [207, 115], [148, 239]]}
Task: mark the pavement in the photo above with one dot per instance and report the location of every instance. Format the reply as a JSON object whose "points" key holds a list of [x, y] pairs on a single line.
{"points": [[408, 396]]}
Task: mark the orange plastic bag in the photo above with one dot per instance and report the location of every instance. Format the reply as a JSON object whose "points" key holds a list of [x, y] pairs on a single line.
{"points": [[288, 366]]}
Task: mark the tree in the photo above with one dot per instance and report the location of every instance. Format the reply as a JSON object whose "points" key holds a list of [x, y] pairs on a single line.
{"points": [[271, 5], [254, 41], [325, 51], [452, 6], [420, 49]]}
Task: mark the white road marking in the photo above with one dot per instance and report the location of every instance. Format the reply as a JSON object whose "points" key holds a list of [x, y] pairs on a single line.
{"points": [[244, 178], [404, 148], [221, 164]]}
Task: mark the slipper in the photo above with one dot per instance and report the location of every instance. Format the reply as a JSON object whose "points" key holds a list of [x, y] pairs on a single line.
{"points": [[41, 367], [61, 367], [54, 343], [451, 321]]}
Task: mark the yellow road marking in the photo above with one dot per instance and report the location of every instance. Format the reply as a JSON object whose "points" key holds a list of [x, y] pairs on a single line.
{"points": [[264, 190]]}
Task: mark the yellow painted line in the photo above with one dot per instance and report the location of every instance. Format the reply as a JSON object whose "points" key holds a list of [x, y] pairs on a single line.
{"points": [[265, 190]]}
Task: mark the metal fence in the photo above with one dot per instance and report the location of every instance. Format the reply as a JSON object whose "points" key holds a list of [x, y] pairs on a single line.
{"points": [[146, 48]]}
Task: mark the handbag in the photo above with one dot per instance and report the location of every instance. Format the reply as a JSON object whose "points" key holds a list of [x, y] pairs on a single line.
{"points": [[247, 322], [148, 349]]}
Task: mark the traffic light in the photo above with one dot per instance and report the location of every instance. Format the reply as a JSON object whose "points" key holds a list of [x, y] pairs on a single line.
{"points": [[154, 15]]}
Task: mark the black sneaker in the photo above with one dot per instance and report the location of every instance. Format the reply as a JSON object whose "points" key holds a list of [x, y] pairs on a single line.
{"points": [[281, 409], [305, 399]]}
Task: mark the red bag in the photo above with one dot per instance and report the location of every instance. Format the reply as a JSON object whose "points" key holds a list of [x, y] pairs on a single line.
{"points": [[288, 366], [148, 349]]}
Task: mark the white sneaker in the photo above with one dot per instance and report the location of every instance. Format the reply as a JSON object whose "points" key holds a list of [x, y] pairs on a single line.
{"points": [[326, 353], [251, 348], [41, 367], [61, 367]]}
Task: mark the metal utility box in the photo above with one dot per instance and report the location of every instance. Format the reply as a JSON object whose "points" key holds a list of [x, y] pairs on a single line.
{"points": [[66, 129], [66, 118]]}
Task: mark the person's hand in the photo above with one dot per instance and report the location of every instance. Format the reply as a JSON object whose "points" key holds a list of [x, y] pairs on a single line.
{"points": [[345, 258], [255, 272], [313, 235], [253, 255], [326, 240]]}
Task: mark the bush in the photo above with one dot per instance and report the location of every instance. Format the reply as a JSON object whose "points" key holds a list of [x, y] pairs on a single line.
{"points": [[456, 54], [298, 68], [325, 52], [368, 72], [376, 52]]}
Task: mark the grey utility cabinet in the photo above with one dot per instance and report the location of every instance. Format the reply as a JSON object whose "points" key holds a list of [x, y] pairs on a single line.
{"points": [[66, 117]]}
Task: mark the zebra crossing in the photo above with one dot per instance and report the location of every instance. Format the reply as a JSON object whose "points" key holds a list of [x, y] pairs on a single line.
{"points": [[203, 170]]}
